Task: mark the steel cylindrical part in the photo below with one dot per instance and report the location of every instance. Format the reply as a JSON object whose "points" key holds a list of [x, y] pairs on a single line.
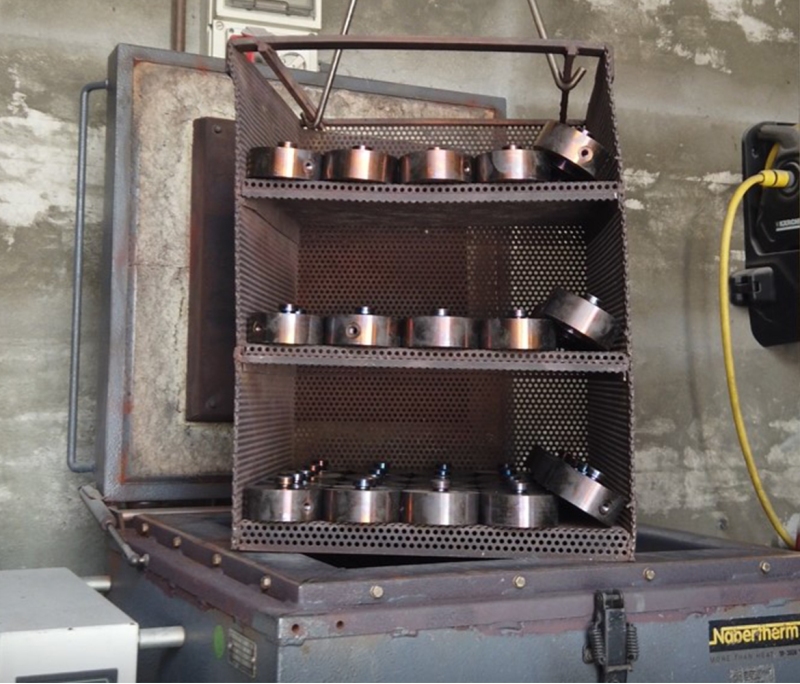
{"points": [[359, 164], [572, 151], [278, 504], [435, 165], [284, 161], [450, 507], [583, 492], [362, 329], [582, 319], [441, 330], [284, 327], [528, 509], [162, 637], [519, 333], [100, 583], [512, 163], [347, 504]]}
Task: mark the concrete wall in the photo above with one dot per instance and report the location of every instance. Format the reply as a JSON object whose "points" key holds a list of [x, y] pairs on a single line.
{"points": [[691, 76], [48, 51]]}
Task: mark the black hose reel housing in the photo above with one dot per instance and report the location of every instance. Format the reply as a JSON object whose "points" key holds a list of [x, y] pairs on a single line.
{"points": [[769, 285]]}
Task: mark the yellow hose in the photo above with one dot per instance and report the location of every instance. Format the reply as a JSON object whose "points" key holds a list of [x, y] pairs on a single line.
{"points": [[773, 153], [767, 179]]}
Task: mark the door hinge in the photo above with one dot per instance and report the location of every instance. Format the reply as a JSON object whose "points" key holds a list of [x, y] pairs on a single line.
{"points": [[612, 641]]}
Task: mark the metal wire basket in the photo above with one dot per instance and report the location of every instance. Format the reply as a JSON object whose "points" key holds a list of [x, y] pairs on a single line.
{"points": [[480, 250]]}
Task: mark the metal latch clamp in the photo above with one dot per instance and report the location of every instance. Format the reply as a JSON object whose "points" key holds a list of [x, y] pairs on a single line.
{"points": [[612, 641], [752, 286]]}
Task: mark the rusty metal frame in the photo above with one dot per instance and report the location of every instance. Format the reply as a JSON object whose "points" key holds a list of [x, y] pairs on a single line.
{"points": [[113, 428], [520, 620], [268, 46], [684, 571]]}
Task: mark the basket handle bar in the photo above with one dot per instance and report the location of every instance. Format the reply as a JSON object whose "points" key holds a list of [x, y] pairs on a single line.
{"points": [[268, 47]]}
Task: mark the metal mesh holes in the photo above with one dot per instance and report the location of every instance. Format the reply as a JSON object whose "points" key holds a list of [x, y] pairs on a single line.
{"points": [[582, 543]]}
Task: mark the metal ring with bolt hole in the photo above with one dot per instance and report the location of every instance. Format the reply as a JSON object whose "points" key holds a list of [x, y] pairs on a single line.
{"points": [[288, 500], [572, 152], [286, 161], [584, 491], [363, 329]]}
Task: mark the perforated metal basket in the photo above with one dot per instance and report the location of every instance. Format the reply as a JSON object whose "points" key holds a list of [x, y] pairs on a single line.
{"points": [[478, 249]]}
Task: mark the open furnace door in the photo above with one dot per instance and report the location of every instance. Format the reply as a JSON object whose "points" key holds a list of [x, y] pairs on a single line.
{"points": [[166, 369]]}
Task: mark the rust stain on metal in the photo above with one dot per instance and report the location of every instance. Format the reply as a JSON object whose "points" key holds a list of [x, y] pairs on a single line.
{"points": [[123, 465], [522, 629]]}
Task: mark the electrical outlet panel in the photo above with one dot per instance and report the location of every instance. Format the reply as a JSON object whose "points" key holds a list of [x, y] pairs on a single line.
{"points": [[305, 16], [227, 18]]}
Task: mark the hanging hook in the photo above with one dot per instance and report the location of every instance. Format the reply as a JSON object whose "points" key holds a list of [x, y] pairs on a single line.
{"points": [[559, 78]]}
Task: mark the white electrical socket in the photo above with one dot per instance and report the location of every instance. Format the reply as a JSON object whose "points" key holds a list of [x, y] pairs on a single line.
{"points": [[224, 21], [219, 31]]}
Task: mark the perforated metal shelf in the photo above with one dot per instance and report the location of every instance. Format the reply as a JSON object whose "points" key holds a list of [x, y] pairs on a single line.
{"points": [[441, 359], [330, 203], [582, 543]]}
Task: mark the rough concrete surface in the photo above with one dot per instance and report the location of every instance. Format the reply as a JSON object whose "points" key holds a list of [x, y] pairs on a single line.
{"points": [[46, 56], [691, 76], [163, 443]]}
